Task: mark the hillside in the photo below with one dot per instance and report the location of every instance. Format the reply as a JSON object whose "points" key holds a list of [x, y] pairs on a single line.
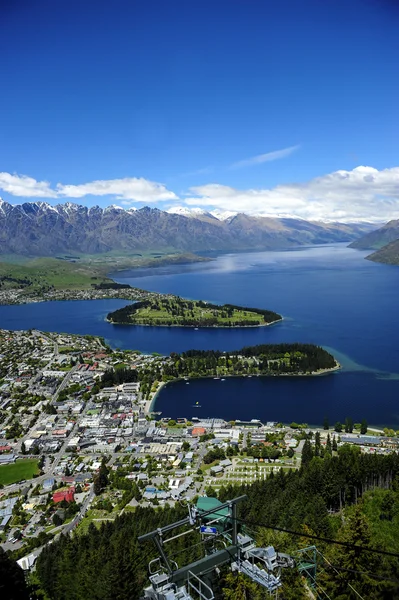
{"points": [[342, 497], [378, 238], [39, 229], [388, 254]]}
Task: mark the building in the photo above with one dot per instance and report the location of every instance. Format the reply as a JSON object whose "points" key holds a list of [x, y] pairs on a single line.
{"points": [[67, 495]]}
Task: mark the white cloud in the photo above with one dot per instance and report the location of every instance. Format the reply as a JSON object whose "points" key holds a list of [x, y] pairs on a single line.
{"points": [[361, 194], [262, 158], [27, 187], [365, 193], [129, 189]]}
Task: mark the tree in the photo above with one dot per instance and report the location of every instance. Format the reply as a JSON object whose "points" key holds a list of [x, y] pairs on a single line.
{"points": [[317, 446], [334, 444], [23, 448], [352, 570], [238, 587], [290, 452], [328, 445], [12, 579], [101, 479], [348, 425], [326, 424], [338, 427], [363, 427], [307, 453]]}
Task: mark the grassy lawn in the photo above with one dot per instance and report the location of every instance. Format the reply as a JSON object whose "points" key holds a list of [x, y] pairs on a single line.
{"points": [[178, 311], [22, 469], [97, 517]]}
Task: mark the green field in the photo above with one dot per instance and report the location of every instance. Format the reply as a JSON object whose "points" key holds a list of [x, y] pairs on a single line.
{"points": [[22, 469], [42, 273], [190, 313], [77, 272]]}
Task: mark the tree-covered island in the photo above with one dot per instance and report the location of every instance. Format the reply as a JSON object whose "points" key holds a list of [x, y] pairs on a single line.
{"points": [[176, 311]]}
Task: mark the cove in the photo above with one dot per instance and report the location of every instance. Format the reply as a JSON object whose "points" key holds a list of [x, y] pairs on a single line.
{"points": [[328, 295]]}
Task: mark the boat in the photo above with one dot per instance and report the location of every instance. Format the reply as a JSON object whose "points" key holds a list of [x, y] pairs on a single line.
{"points": [[187, 383], [197, 405], [223, 380], [195, 328], [216, 377]]}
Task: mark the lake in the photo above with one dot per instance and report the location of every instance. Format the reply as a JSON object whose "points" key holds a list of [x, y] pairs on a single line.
{"points": [[328, 295]]}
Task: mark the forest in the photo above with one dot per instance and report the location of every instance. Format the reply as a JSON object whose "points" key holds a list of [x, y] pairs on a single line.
{"points": [[349, 498], [265, 359], [190, 313]]}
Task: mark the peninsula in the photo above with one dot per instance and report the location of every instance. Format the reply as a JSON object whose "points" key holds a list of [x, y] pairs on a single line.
{"points": [[175, 311], [293, 359]]}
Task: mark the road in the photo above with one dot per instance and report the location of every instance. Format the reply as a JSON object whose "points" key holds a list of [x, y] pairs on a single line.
{"points": [[88, 500]]}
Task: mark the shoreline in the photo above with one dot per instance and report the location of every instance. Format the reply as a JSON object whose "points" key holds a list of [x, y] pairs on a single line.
{"points": [[198, 326], [150, 404]]}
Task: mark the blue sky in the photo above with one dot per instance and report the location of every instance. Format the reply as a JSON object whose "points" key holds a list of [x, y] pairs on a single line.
{"points": [[266, 107]]}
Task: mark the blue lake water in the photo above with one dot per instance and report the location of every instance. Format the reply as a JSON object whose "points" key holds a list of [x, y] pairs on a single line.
{"points": [[328, 295]]}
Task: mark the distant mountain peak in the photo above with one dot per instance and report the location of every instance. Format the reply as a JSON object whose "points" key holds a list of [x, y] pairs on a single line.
{"points": [[41, 229]]}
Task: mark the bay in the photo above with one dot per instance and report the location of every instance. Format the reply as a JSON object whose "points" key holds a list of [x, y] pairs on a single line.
{"points": [[328, 295]]}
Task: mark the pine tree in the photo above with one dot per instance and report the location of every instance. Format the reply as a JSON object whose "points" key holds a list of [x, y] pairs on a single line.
{"points": [[328, 445], [307, 453], [350, 569], [363, 427], [326, 424], [12, 580], [317, 445]]}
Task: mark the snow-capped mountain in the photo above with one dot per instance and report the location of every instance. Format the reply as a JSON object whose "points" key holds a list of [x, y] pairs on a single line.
{"points": [[40, 229], [223, 215], [185, 211]]}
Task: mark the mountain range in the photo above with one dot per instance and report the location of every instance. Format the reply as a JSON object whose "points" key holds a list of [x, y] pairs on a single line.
{"points": [[40, 229]]}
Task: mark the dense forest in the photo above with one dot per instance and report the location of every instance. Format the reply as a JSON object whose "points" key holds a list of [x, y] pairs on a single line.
{"points": [[349, 497], [190, 313]]}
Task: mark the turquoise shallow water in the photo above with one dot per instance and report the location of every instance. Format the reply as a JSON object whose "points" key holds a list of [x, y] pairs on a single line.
{"points": [[328, 295]]}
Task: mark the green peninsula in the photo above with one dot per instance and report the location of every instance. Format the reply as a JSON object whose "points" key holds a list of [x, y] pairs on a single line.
{"points": [[175, 311]]}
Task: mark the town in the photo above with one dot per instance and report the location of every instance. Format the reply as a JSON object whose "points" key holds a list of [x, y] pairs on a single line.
{"points": [[76, 451]]}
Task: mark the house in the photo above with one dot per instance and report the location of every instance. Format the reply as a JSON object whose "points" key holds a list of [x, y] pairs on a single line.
{"points": [[216, 470], [6, 459], [198, 431], [68, 495], [48, 484], [26, 562]]}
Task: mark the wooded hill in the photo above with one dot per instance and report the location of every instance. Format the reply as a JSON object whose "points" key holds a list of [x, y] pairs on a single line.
{"points": [[190, 313], [108, 563]]}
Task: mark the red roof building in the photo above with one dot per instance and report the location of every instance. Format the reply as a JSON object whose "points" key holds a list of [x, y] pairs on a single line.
{"points": [[5, 449], [67, 495], [198, 431]]}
